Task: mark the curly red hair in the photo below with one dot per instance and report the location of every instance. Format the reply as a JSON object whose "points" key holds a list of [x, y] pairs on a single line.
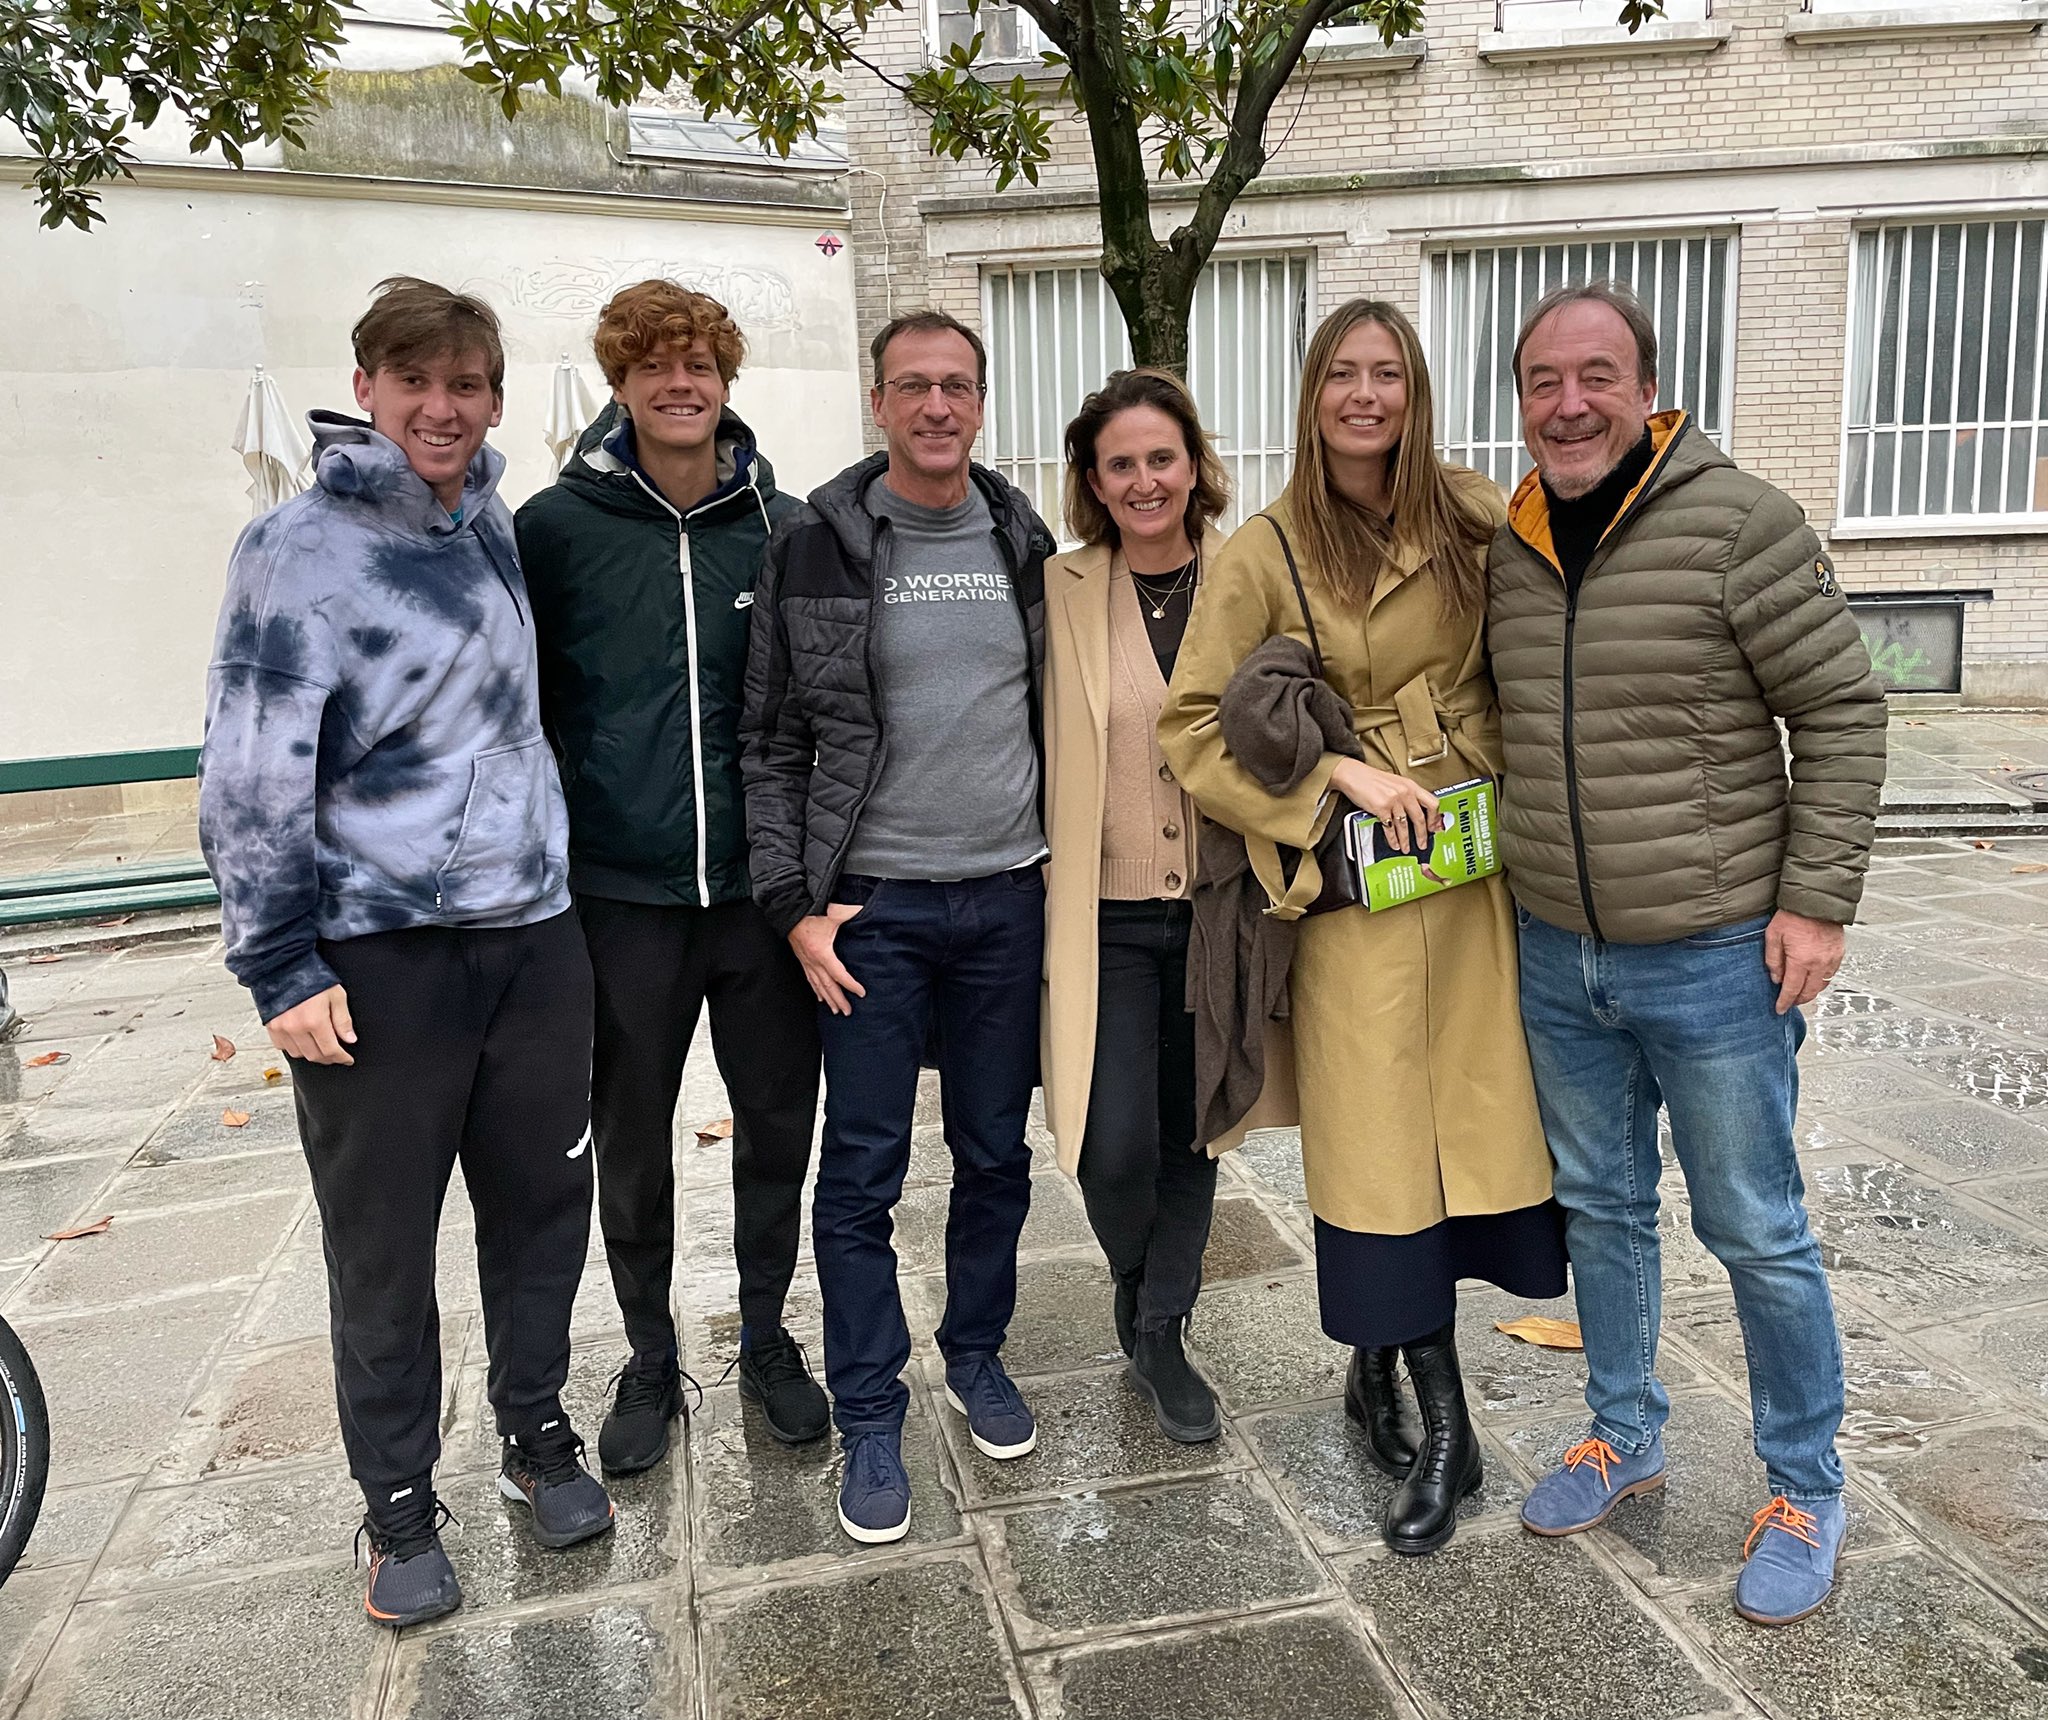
{"points": [[657, 313]]}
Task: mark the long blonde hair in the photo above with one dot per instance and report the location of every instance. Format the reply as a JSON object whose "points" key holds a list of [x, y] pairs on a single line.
{"points": [[1345, 544]]}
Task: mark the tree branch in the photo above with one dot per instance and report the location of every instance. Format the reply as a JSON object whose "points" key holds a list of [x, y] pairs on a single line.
{"points": [[1052, 21]]}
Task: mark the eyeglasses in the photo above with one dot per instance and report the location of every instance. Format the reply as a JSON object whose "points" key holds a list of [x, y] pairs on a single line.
{"points": [[955, 388]]}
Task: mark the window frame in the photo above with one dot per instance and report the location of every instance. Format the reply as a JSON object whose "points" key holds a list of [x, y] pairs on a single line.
{"points": [[2027, 522]]}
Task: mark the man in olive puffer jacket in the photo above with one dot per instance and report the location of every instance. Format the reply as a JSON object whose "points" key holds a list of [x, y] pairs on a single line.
{"points": [[1655, 615]]}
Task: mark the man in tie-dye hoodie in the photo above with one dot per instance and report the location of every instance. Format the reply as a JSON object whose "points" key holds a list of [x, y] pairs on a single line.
{"points": [[382, 815]]}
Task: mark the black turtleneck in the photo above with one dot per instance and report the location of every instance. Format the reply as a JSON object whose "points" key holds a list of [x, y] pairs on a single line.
{"points": [[1576, 524]]}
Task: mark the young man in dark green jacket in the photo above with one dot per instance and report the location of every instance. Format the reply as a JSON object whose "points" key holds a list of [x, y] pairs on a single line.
{"points": [[641, 560]]}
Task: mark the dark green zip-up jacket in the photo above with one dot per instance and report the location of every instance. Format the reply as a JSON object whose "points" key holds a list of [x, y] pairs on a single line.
{"points": [[1646, 795], [642, 621]]}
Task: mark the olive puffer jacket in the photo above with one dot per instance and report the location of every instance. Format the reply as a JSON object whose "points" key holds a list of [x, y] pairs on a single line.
{"points": [[1645, 796], [811, 742]]}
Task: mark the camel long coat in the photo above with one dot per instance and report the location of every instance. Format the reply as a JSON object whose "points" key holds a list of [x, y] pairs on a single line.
{"points": [[1077, 641], [1415, 1095]]}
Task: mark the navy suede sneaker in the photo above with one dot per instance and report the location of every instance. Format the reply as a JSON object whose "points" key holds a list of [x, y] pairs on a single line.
{"points": [[997, 1419], [874, 1493], [1792, 1551], [1593, 1479]]}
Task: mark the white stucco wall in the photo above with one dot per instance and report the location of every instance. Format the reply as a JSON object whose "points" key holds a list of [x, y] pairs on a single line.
{"points": [[126, 354]]}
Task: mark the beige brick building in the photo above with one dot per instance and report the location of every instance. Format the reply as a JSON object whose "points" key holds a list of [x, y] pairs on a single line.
{"points": [[1840, 216]]}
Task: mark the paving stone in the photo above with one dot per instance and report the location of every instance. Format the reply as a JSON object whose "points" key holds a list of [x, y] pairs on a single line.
{"points": [[118, 1420], [33, 1607], [1317, 1456], [1968, 1137], [36, 1199], [155, 1254], [2009, 1347], [73, 1526], [196, 1131], [2011, 1076], [903, 1642], [2024, 1197], [220, 1528], [292, 1302], [713, 1336], [1890, 1029], [1985, 1492], [1245, 1243], [1063, 1317], [760, 1502], [1692, 1528], [1893, 1396], [1056, 1220], [620, 1660], [146, 1187], [308, 1654], [2009, 1005], [1149, 1555], [1913, 1249], [1262, 1342], [1510, 1626], [25, 1079], [1091, 1428], [1274, 1157], [2004, 908], [1901, 1639], [1860, 1089], [1509, 1381], [267, 1408], [48, 1132], [2009, 952], [1312, 1662]]}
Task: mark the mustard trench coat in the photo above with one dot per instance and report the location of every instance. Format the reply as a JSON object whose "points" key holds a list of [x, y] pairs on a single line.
{"points": [[1077, 641], [1415, 1094]]}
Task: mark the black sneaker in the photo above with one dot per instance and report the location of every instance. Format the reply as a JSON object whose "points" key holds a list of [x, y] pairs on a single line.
{"points": [[545, 1473], [648, 1397], [411, 1579], [774, 1373]]}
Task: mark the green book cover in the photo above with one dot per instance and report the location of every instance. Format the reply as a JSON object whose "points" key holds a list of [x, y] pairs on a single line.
{"points": [[1466, 848]]}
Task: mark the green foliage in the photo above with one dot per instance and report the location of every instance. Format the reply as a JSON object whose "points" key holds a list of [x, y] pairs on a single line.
{"points": [[74, 74]]}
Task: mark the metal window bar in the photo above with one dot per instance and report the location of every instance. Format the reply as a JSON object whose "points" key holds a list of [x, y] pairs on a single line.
{"points": [[1246, 337], [1480, 294], [1982, 442]]}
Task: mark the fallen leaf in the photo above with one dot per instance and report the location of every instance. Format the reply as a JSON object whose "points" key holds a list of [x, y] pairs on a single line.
{"points": [[2030, 866], [1915, 723], [98, 1227], [116, 919], [273, 1076], [48, 1060], [43, 961], [223, 1049], [234, 1119], [718, 1131], [1983, 842], [1541, 1330]]}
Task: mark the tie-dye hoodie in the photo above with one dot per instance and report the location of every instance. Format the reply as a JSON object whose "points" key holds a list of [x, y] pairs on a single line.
{"points": [[373, 755]]}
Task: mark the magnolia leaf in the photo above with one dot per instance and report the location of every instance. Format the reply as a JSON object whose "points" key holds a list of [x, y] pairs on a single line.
{"points": [[1983, 842], [2031, 866], [98, 1227], [234, 1119], [1543, 1331], [721, 1130], [223, 1048], [48, 1060]]}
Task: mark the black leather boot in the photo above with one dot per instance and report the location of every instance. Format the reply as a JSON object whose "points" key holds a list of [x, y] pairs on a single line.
{"points": [[1373, 1398], [1182, 1402], [1126, 1308], [1424, 1512]]}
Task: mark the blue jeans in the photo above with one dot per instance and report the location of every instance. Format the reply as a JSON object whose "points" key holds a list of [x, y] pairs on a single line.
{"points": [[1614, 1031], [959, 963]]}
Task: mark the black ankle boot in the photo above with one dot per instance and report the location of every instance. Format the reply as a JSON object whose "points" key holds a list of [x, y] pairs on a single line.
{"points": [[1373, 1398], [1126, 1308], [1182, 1402], [1424, 1512]]}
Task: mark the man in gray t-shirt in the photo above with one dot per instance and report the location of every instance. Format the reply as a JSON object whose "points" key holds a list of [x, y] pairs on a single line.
{"points": [[957, 796], [890, 751]]}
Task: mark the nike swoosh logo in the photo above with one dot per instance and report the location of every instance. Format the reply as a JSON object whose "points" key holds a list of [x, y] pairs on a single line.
{"points": [[576, 1152], [745, 600]]}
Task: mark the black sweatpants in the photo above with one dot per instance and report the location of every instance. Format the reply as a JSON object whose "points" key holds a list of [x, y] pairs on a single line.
{"points": [[472, 1044], [655, 969], [1148, 1190]]}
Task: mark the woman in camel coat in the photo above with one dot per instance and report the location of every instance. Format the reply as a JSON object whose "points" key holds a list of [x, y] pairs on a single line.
{"points": [[1424, 1155], [1117, 1047]]}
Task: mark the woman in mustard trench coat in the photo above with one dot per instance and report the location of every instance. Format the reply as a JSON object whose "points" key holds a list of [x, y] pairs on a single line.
{"points": [[1424, 1155]]}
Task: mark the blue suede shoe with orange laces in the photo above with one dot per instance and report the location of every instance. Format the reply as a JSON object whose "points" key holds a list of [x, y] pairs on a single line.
{"points": [[1593, 1479], [1792, 1550]]}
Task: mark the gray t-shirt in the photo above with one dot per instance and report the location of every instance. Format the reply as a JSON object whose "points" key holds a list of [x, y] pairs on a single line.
{"points": [[957, 796]]}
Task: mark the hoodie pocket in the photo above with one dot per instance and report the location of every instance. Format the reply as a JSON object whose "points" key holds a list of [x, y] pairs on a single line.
{"points": [[501, 857]]}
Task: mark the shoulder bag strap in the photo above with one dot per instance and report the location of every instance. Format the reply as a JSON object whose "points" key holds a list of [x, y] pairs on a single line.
{"points": [[1315, 645]]}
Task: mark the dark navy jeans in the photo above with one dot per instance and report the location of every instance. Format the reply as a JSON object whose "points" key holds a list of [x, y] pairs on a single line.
{"points": [[1616, 1031], [960, 964]]}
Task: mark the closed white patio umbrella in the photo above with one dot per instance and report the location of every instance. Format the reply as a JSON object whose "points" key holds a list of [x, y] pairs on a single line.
{"points": [[273, 445], [570, 410]]}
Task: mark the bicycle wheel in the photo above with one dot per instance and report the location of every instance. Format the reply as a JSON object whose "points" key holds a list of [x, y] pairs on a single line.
{"points": [[24, 1449]]}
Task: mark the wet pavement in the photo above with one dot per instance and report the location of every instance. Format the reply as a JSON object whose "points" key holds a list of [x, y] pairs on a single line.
{"points": [[194, 1557]]}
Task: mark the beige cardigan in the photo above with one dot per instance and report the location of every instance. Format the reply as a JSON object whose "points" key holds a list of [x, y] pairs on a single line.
{"points": [[1077, 699]]}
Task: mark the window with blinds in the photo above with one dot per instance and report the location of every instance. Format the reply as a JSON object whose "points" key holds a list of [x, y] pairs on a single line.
{"points": [[1478, 296], [1054, 334], [1944, 410]]}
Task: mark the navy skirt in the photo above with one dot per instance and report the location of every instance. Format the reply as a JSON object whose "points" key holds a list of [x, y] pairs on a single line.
{"points": [[1381, 1290]]}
